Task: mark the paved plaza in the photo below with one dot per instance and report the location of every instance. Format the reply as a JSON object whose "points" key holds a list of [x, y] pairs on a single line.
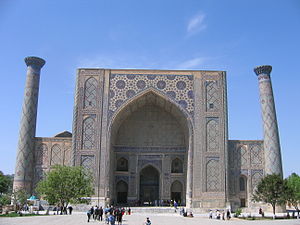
{"points": [[134, 219]]}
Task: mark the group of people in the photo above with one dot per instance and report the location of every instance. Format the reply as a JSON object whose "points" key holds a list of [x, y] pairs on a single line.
{"points": [[219, 214], [112, 214], [96, 213], [63, 210]]}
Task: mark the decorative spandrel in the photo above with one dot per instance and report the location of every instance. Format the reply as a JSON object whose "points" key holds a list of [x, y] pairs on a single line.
{"points": [[88, 133], [90, 93], [179, 88]]}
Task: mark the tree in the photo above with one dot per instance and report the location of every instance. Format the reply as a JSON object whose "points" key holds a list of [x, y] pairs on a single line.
{"points": [[293, 191], [271, 189], [19, 198], [5, 183], [65, 184]]}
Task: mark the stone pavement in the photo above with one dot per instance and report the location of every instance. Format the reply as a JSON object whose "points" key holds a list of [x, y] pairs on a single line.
{"points": [[135, 219]]}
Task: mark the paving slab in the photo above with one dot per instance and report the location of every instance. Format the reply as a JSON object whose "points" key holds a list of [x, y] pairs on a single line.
{"points": [[137, 219]]}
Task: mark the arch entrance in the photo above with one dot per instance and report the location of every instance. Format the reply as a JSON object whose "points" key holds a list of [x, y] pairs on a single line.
{"points": [[122, 192], [145, 136], [176, 192], [149, 185]]}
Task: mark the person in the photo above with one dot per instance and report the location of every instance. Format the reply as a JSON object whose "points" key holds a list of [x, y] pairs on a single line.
{"points": [[96, 212], [112, 219], [260, 211], [70, 209], [175, 204], [210, 214], [147, 222], [89, 213], [218, 215], [119, 217], [223, 215], [101, 213], [129, 211], [228, 214]]}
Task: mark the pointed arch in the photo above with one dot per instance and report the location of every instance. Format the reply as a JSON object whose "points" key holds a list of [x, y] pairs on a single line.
{"points": [[122, 164], [88, 133], [177, 166], [157, 98], [212, 136], [90, 93], [56, 155]]}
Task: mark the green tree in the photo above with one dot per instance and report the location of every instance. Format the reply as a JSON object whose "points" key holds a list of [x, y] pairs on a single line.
{"points": [[65, 184], [19, 198], [293, 191], [271, 189], [5, 183]]}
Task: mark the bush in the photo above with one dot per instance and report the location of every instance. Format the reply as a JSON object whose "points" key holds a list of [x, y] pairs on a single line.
{"points": [[238, 212]]}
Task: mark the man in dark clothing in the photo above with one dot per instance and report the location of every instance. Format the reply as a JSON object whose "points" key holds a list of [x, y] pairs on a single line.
{"points": [[101, 213], [70, 209]]}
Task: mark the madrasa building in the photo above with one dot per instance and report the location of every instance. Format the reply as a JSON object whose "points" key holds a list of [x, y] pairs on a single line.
{"points": [[150, 136]]}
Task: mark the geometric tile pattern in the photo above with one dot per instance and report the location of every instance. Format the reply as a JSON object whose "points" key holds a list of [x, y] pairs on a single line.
{"points": [[242, 155], [25, 156], [213, 176], [41, 155], [178, 88], [88, 133], [90, 92], [212, 136], [87, 162], [256, 177], [212, 98], [56, 155], [271, 137], [256, 155]]}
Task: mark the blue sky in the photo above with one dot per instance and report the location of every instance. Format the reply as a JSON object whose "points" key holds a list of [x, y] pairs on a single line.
{"points": [[234, 36]]}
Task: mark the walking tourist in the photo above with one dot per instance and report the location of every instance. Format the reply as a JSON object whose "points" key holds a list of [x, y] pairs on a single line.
{"points": [[147, 222], [89, 213]]}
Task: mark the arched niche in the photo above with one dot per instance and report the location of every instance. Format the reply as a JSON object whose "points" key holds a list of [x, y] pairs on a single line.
{"points": [[177, 191], [177, 166], [122, 192], [149, 185], [122, 164]]}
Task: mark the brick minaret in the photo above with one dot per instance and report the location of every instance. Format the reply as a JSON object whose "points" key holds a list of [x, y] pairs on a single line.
{"points": [[273, 162], [24, 163]]}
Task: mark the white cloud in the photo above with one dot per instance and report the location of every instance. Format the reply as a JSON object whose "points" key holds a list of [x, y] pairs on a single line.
{"points": [[196, 23], [192, 63]]}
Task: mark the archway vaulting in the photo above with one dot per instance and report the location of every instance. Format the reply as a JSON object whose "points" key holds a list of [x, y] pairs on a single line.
{"points": [[150, 129]]}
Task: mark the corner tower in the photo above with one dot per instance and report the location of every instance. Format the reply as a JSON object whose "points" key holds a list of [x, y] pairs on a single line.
{"points": [[24, 162], [272, 154]]}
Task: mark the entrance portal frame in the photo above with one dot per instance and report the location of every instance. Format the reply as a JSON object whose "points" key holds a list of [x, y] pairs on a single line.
{"points": [[187, 123]]}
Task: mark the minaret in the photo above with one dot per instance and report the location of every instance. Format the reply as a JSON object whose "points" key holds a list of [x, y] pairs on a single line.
{"points": [[272, 153], [24, 164]]}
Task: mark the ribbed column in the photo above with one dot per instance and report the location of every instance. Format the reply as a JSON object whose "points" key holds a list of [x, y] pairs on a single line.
{"points": [[24, 163], [272, 153]]}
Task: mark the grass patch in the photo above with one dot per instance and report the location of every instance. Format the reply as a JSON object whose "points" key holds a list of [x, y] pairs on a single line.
{"points": [[14, 214]]}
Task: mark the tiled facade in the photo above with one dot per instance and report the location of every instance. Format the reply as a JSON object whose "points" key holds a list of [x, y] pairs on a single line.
{"points": [[152, 135]]}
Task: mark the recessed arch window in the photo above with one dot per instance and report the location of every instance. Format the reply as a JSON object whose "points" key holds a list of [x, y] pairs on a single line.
{"points": [[243, 183], [122, 164], [177, 166]]}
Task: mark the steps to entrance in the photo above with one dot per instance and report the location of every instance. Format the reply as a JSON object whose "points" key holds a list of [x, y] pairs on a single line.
{"points": [[154, 210]]}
